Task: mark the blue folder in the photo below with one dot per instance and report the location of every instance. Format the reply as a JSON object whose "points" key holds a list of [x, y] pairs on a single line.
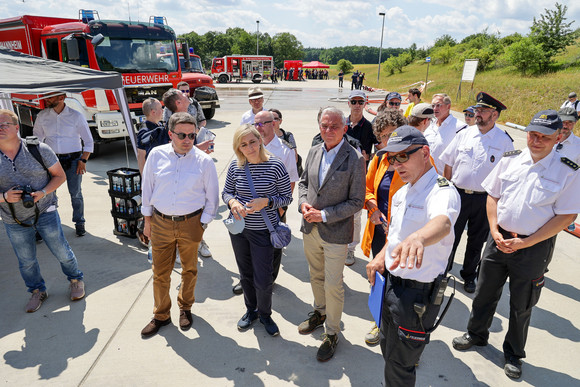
{"points": [[376, 298]]}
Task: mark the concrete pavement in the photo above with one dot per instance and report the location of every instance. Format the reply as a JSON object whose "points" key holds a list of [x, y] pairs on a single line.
{"points": [[96, 341]]}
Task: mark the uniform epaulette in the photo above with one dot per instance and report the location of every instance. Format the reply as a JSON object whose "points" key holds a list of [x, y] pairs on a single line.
{"points": [[463, 127], [505, 131], [286, 143], [442, 182], [569, 163], [512, 153]]}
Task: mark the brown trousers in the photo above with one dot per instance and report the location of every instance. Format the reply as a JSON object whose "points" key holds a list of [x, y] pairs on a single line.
{"points": [[166, 236]]}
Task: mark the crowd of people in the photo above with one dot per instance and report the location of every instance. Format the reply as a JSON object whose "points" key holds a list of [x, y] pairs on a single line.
{"points": [[421, 176]]}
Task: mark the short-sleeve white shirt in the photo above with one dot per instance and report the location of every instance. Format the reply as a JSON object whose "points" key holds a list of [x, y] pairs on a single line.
{"points": [[248, 117], [570, 148], [412, 208], [472, 155], [530, 194], [439, 137]]}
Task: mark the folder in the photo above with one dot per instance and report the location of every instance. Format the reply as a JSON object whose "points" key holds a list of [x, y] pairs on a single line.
{"points": [[376, 298]]}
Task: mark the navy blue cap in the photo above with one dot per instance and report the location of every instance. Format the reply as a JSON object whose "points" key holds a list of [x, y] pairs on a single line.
{"points": [[486, 100], [357, 93], [470, 109], [545, 122], [403, 137], [393, 94]]}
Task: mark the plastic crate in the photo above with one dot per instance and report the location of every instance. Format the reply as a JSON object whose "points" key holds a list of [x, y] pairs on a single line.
{"points": [[124, 182], [127, 208], [125, 226]]}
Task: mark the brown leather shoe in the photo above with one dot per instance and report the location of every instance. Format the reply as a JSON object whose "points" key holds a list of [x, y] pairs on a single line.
{"points": [[152, 328], [185, 319]]}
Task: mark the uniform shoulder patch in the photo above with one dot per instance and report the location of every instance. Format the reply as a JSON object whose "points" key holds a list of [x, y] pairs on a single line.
{"points": [[510, 137], [463, 127], [569, 163], [512, 153], [442, 182]]}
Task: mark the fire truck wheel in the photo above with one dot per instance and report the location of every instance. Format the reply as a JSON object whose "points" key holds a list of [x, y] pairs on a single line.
{"points": [[209, 113], [223, 78]]}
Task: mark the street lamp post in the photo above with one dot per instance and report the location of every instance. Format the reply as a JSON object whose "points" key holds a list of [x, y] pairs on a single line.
{"points": [[381, 49], [257, 37]]}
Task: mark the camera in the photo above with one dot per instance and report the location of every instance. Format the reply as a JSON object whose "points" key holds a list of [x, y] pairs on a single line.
{"points": [[27, 199]]}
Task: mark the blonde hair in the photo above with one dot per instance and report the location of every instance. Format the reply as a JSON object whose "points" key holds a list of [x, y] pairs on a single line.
{"points": [[11, 114], [242, 132]]}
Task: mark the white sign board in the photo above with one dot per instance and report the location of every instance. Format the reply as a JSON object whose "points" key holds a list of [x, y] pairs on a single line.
{"points": [[469, 70]]}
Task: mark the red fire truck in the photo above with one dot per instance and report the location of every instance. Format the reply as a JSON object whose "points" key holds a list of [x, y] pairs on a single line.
{"points": [[144, 53], [240, 67], [201, 85]]}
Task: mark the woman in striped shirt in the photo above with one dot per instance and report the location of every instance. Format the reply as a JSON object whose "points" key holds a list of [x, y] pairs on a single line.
{"points": [[252, 247]]}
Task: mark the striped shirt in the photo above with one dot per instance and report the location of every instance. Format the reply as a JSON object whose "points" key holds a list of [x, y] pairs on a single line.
{"points": [[270, 180]]}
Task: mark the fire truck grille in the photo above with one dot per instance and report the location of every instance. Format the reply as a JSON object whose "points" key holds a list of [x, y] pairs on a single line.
{"points": [[140, 94]]}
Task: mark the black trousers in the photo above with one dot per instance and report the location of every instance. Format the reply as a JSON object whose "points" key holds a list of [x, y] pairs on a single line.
{"points": [[473, 213], [525, 269], [253, 251], [403, 338]]}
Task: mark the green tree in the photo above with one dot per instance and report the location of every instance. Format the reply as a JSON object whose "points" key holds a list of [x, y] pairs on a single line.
{"points": [[345, 65], [444, 40], [286, 46], [525, 55], [553, 33]]}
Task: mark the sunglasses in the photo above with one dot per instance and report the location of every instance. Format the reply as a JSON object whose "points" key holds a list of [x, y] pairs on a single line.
{"points": [[402, 157], [182, 136], [394, 104], [470, 115], [185, 91], [355, 101], [261, 124]]}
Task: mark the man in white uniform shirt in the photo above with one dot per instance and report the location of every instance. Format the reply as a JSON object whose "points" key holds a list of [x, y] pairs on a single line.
{"points": [[470, 157], [256, 100], [419, 241], [63, 128], [572, 102], [442, 129], [569, 143], [532, 196], [180, 197]]}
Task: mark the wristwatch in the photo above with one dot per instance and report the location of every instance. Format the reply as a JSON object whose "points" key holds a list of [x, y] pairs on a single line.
{"points": [[84, 160]]}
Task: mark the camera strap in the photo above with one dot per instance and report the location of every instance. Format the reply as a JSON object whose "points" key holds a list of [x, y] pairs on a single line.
{"points": [[440, 318], [36, 215]]}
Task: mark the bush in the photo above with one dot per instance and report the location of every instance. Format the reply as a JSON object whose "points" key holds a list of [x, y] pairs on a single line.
{"points": [[345, 66], [526, 56], [443, 54]]}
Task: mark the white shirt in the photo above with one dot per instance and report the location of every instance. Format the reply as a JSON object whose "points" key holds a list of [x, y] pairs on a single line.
{"points": [[326, 161], [177, 185], [575, 105], [412, 208], [248, 117], [287, 155], [439, 137], [532, 194], [472, 155], [63, 132], [570, 148]]}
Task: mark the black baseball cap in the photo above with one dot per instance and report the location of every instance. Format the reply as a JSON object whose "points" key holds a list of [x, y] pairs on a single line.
{"points": [[545, 122], [403, 137], [486, 100]]}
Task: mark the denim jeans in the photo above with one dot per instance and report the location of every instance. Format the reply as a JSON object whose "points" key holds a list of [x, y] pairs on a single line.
{"points": [[24, 244], [73, 182]]}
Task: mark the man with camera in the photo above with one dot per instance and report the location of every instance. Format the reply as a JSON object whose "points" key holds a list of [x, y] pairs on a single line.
{"points": [[28, 205], [420, 239]]}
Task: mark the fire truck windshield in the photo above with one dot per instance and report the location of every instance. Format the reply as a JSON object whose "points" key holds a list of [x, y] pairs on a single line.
{"points": [[126, 55], [196, 66]]}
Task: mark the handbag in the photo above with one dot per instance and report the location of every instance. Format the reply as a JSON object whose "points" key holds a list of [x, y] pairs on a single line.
{"points": [[280, 235]]}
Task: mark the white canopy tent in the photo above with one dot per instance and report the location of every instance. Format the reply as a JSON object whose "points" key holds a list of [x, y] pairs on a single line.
{"points": [[25, 74]]}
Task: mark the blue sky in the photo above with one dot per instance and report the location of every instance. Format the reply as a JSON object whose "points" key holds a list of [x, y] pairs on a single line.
{"points": [[320, 23]]}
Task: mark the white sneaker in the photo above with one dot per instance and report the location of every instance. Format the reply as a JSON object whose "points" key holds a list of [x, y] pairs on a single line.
{"points": [[373, 338], [203, 250], [349, 259]]}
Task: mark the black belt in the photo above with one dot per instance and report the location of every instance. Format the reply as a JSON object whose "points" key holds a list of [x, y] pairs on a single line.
{"points": [[178, 218], [508, 234], [409, 283], [70, 155], [470, 192]]}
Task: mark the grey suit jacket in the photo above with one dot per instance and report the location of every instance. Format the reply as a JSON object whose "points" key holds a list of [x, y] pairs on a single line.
{"points": [[341, 194]]}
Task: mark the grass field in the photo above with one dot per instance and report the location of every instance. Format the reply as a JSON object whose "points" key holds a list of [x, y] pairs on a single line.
{"points": [[523, 95]]}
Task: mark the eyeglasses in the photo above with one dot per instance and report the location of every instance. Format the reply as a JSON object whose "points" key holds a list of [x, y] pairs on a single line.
{"points": [[182, 136], [261, 124], [402, 157], [185, 91], [5, 124], [394, 104], [355, 101], [470, 115]]}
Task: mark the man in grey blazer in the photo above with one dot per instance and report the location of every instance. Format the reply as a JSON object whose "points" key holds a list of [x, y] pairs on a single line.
{"points": [[332, 190]]}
